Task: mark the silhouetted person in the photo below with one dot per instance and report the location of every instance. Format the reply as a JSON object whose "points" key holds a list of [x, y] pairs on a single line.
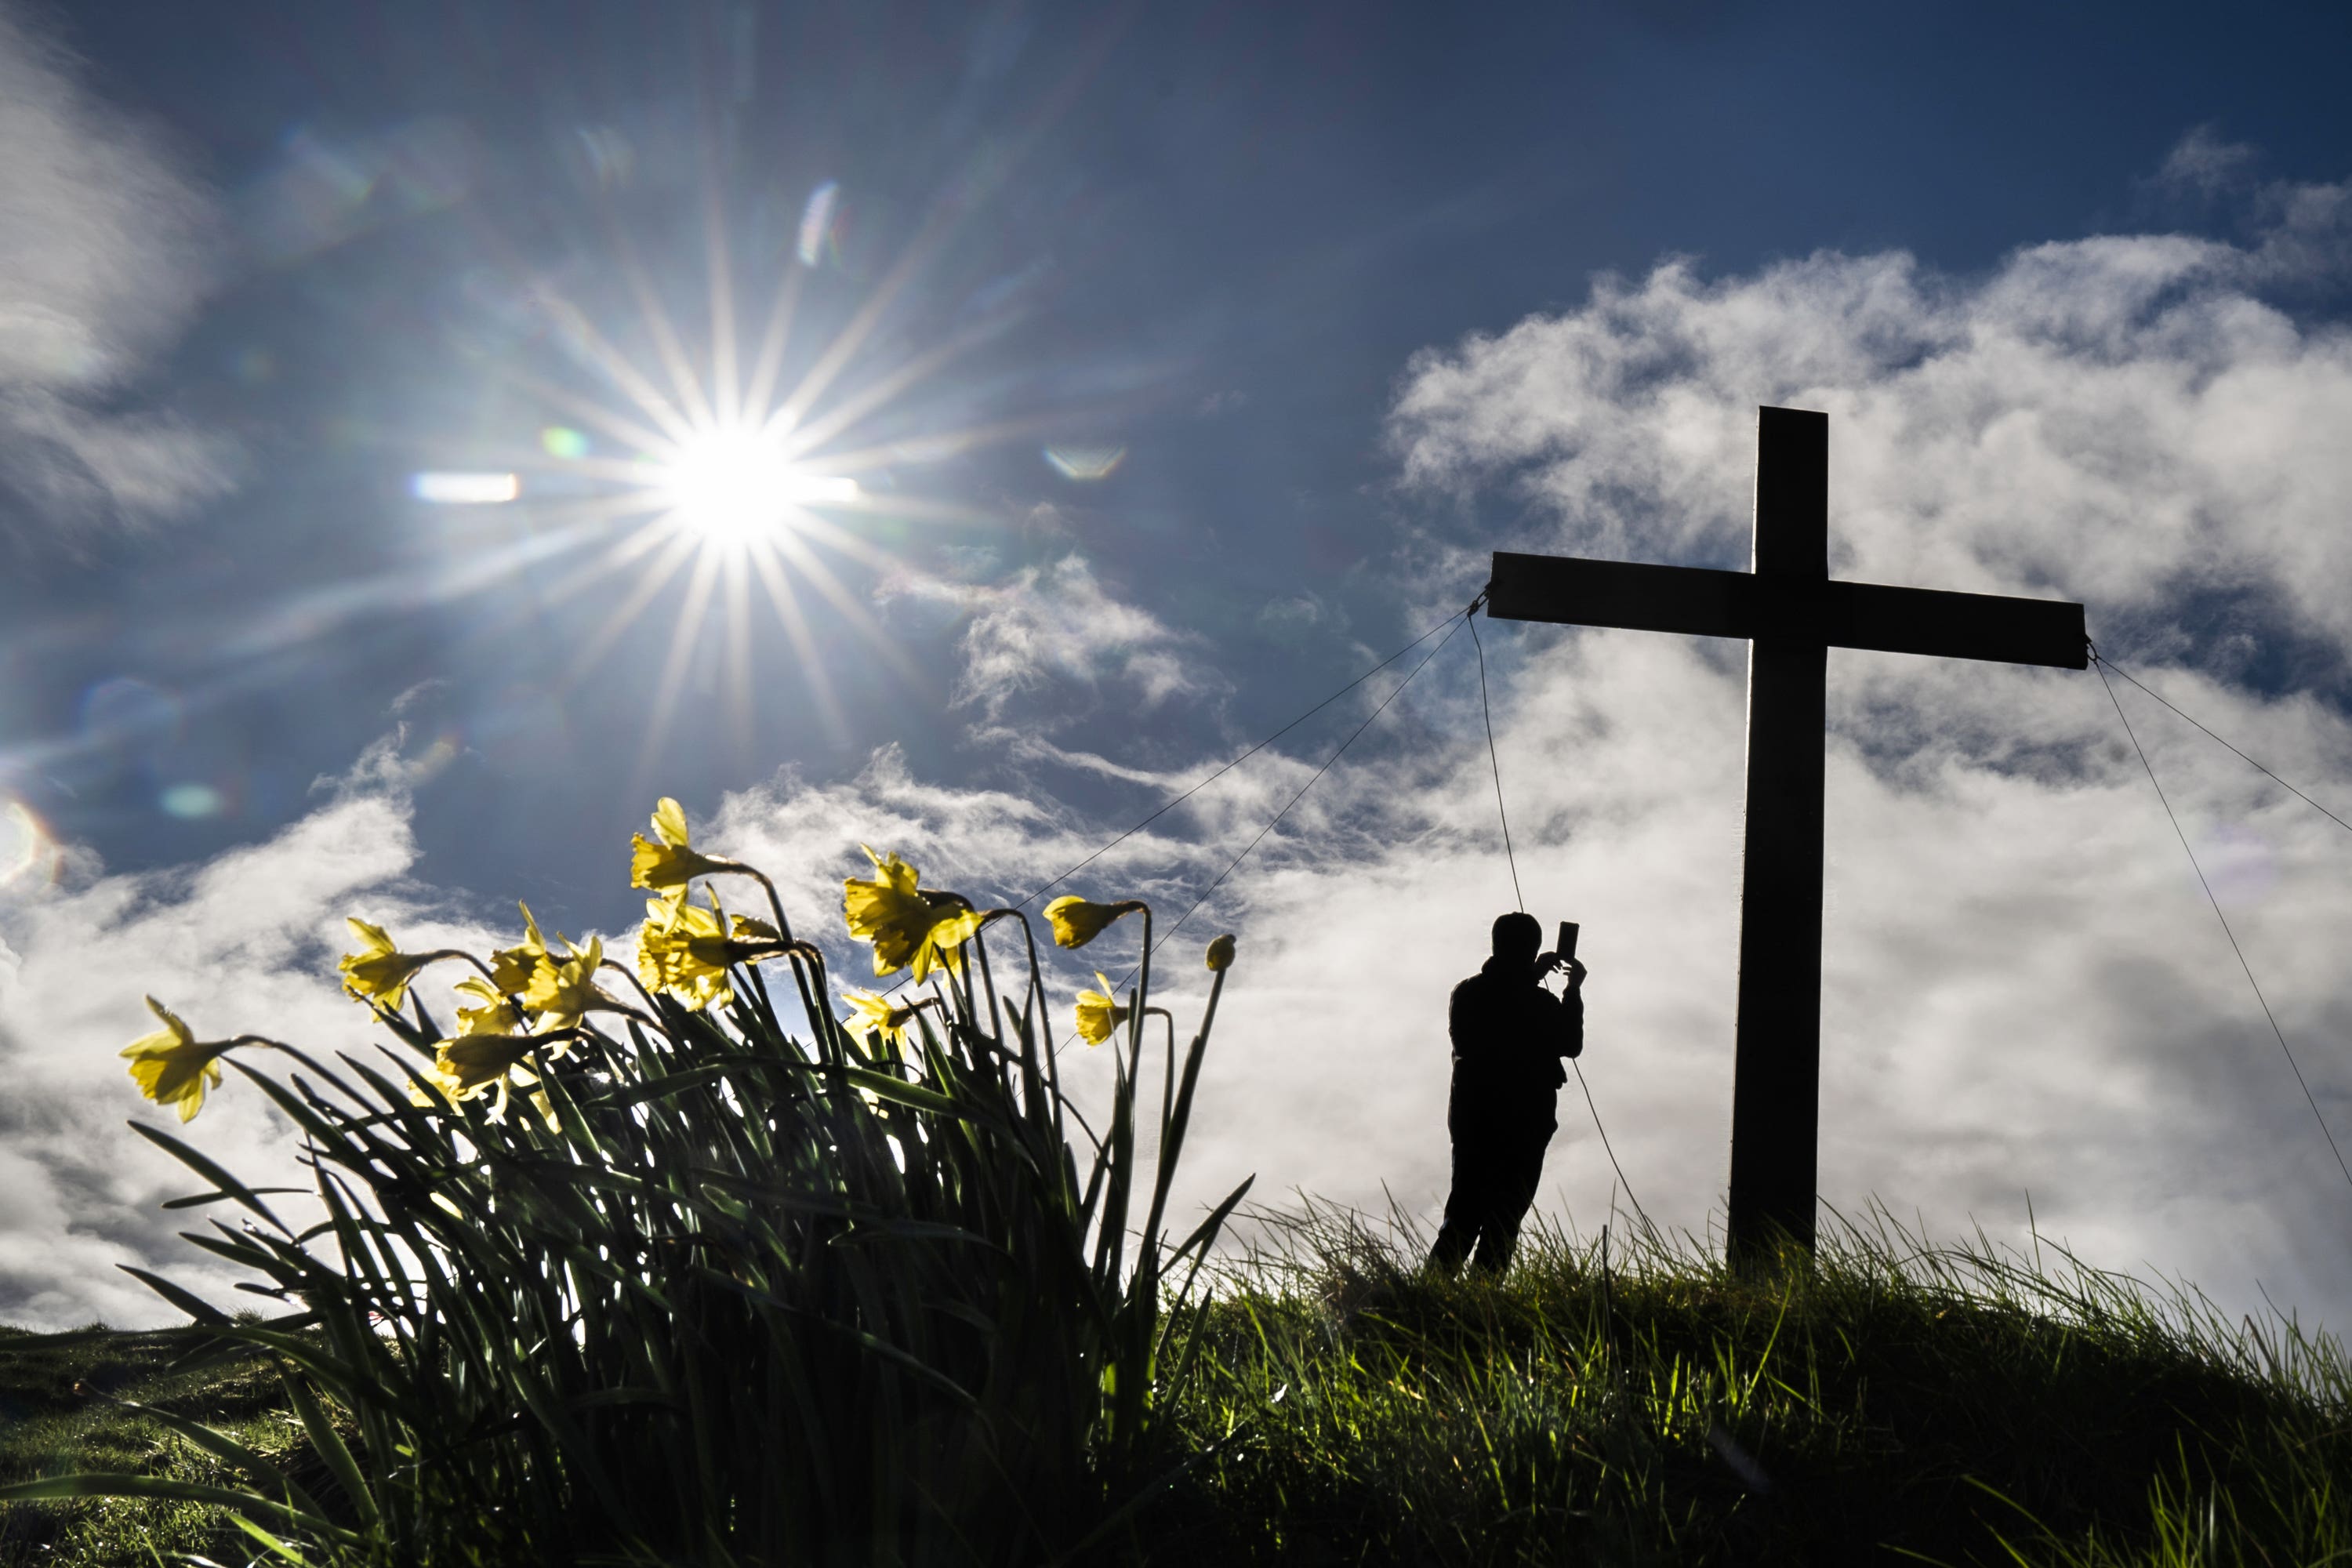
{"points": [[1509, 1035]]}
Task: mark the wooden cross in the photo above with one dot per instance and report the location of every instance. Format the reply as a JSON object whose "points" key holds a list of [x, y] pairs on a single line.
{"points": [[1791, 615]]}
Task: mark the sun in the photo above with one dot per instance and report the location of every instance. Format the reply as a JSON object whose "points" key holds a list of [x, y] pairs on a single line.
{"points": [[733, 485], [706, 478]]}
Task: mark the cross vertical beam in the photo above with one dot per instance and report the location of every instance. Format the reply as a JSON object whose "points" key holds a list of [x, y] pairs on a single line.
{"points": [[1777, 1067]]}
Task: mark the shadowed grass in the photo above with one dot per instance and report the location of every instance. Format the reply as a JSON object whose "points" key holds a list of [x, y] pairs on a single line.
{"points": [[62, 1408], [1952, 1403], [1907, 1402]]}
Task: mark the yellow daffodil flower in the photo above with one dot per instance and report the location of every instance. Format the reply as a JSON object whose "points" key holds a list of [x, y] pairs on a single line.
{"points": [[1099, 1017], [496, 1015], [872, 1014], [905, 925], [668, 860], [686, 952], [171, 1067], [1220, 954], [379, 971], [1076, 922], [560, 992], [469, 1064], [512, 967], [487, 1064]]}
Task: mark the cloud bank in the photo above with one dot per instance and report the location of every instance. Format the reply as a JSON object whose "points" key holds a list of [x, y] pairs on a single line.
{"points": [[104, 246]]}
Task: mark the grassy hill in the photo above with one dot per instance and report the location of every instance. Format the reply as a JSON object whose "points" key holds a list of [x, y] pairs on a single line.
{"points": [[1904, 1402]]}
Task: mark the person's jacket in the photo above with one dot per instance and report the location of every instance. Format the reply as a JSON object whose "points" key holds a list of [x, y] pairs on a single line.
{"points": [[1509, 1033]]}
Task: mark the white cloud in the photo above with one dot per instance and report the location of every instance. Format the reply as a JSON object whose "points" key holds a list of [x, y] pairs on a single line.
{"points": [[2202, 164], [104, 244], [242, 943], [2112, 417], [1056, 628]]}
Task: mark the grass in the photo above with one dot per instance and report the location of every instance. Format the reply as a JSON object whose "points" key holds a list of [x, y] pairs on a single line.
{"points": [[1951, 1405], [1906, 1402], [62, 1408]]}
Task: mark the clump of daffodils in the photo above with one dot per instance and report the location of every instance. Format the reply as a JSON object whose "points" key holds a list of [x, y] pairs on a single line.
{"points": [[522, 1009], [682, 1151]]}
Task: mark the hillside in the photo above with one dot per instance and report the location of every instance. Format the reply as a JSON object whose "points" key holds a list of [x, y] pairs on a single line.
{"points": [[1950, 1405]]}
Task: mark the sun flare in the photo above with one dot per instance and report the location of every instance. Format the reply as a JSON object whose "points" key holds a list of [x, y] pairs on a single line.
{"points": [[735, 485]]}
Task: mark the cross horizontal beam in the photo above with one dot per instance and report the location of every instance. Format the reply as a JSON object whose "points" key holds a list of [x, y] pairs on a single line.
{"points": [[1701, 602]]}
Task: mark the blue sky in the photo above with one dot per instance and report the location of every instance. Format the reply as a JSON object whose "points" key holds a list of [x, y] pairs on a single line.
{"points": [[1351, 295]]}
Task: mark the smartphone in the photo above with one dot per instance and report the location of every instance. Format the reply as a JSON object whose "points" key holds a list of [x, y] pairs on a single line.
{"points": [[1567, 947]]}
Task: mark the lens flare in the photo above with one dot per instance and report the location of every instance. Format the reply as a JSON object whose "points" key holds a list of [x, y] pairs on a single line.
{"points": [[28, 856], [1086, 464], [192, 802], [465, 489], [816, 223]]}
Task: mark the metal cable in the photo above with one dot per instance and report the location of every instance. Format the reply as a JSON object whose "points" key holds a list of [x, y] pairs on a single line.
{"points": [[2100, 665], [1495, 761], [1459, 619], [1486, 708], [2110, 664]]}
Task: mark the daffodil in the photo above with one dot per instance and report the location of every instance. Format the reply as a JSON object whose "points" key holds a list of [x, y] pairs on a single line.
{"points": [[496, 1015], [489, 1063], [905, 925], [561, 990], [1076, 922], [668, 860], [379, 971], [1220, 954], [686, 952], [469, 1064], [172, 1066], [873, 1014], [1099, 1017], [512, 967]]}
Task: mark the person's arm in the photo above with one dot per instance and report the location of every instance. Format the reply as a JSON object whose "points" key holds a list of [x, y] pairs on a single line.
{"points": [[1572, 1012]]}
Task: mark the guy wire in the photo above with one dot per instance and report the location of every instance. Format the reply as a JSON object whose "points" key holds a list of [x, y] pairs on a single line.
{"points": [[1174, 801], [1495, 761], [2100, 665], [2128, 675], [1486, 708], [1458, 619]]}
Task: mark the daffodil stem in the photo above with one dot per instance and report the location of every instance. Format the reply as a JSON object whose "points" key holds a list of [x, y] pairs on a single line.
{"points": [[1171, 1138], [1029, 1030], [1167, 1083], [461, 952], [988, 980], [621, 970], [830, 1041], [775, 904], [1142, 986]]}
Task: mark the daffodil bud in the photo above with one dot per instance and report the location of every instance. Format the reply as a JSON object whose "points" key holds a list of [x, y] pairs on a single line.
{"points": [[1076, 922], [1220, 954]]}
